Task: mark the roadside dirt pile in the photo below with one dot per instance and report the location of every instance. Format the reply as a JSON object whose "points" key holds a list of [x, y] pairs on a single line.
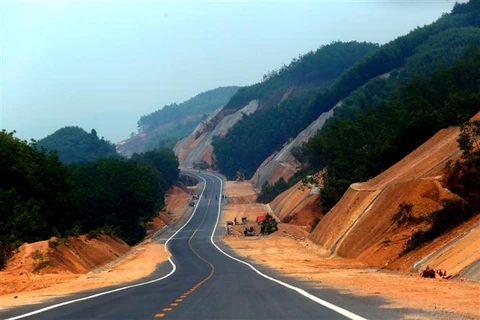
{"points": [[61, 266], [75, 255], [197, 147], [367, 222]]}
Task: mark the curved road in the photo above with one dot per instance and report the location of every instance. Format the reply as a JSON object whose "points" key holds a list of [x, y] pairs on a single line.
{"points": [[204, 280]]}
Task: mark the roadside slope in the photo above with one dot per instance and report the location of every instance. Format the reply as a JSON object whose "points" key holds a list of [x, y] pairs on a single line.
{"points": [[362, 224]]}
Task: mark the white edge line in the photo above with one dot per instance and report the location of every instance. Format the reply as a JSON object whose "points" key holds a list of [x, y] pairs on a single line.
{"points": [[174, 268], [304, 293]]}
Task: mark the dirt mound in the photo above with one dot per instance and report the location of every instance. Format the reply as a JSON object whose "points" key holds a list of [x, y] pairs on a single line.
{"points": [[240, 192], [297, 205]]}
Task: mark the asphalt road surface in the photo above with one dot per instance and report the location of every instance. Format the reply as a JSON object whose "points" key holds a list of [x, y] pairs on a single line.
{"points": [[205, 280]]}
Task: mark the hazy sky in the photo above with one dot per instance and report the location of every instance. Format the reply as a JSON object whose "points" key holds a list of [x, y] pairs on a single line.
{"points": [[103, 64]]}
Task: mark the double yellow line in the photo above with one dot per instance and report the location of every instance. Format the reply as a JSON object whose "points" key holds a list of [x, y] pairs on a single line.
{"points": [[195, 287]]}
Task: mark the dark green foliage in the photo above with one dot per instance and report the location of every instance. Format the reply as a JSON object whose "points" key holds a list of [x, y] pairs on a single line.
{"points": [[75, 145], [463, 177], [115, 193], [202, 103], [453, 213], [269, 192], [404, 215], [256, 136], [202, 165], [269, 225], [314, 223], [34, 190], [163, 161], [364, 142], [314, 68], [41, 198]]}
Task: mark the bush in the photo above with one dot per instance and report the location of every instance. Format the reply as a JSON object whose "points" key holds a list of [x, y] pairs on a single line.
{"points": [[269, 225], [314, 223]]}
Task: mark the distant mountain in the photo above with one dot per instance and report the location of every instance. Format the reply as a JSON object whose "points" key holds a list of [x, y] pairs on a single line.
{"points": [[75, 145], [164, 127]]}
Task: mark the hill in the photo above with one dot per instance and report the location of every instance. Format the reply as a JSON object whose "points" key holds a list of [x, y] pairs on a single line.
{"points": [[75, 145], [369, 81], [276, 99], [375, 221], [164, 127]]}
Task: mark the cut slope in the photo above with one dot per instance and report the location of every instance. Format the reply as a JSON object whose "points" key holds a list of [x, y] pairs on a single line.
{"points": [[283, 164], [361, 225], [197, 147]]}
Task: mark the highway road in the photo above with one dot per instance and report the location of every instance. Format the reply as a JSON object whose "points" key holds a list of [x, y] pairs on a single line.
{"points": [[205, 280]]}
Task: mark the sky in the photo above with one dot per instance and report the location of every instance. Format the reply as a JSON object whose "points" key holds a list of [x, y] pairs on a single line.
{"points": [[104, 64]]}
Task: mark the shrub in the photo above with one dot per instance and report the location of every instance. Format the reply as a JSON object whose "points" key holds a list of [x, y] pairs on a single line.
{"points": [[269, 225], [314, 223]]}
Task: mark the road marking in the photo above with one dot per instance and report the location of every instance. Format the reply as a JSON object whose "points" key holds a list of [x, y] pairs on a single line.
{"points": [[184, 296], [212, 268], [167, 309], [174, 268], [160, 315], [304, 293]]}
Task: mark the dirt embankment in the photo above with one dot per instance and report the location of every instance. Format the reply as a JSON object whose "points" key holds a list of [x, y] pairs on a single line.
{"points": [[44, 269], [197, 147], [288, 252], [283, 164], [364, 223]]}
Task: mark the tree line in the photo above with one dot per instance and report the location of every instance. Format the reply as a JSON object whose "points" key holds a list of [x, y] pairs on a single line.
{"points": [[363, 142], [40, 197]]}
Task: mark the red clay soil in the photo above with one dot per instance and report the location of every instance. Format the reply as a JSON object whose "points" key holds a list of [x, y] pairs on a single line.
{"points": [[297, 205]]}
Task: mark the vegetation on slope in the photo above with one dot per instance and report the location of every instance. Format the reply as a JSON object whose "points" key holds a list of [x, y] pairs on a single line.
{"points": [[165, 127], [202, 103], [463, 178], [371, 139], [253, 139], [256, 136], [75, 145], [40, 197]]}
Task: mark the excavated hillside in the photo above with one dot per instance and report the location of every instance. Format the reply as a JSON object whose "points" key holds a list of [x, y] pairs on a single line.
{"points": [[283, 164], [197, 147], [298, 205], [362, 223]]}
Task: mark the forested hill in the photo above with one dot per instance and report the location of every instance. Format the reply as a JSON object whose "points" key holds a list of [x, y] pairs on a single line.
{"points": [[202, 103], [164, 127], [288, 86], [40, 197], [419, 52], [312, 70], [75, 145]]}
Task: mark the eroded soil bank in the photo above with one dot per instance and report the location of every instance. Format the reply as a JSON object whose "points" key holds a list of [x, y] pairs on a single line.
{"points": [[34, 275]]}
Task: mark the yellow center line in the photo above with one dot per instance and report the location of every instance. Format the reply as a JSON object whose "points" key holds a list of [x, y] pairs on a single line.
{"points": [[212, 271]]}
